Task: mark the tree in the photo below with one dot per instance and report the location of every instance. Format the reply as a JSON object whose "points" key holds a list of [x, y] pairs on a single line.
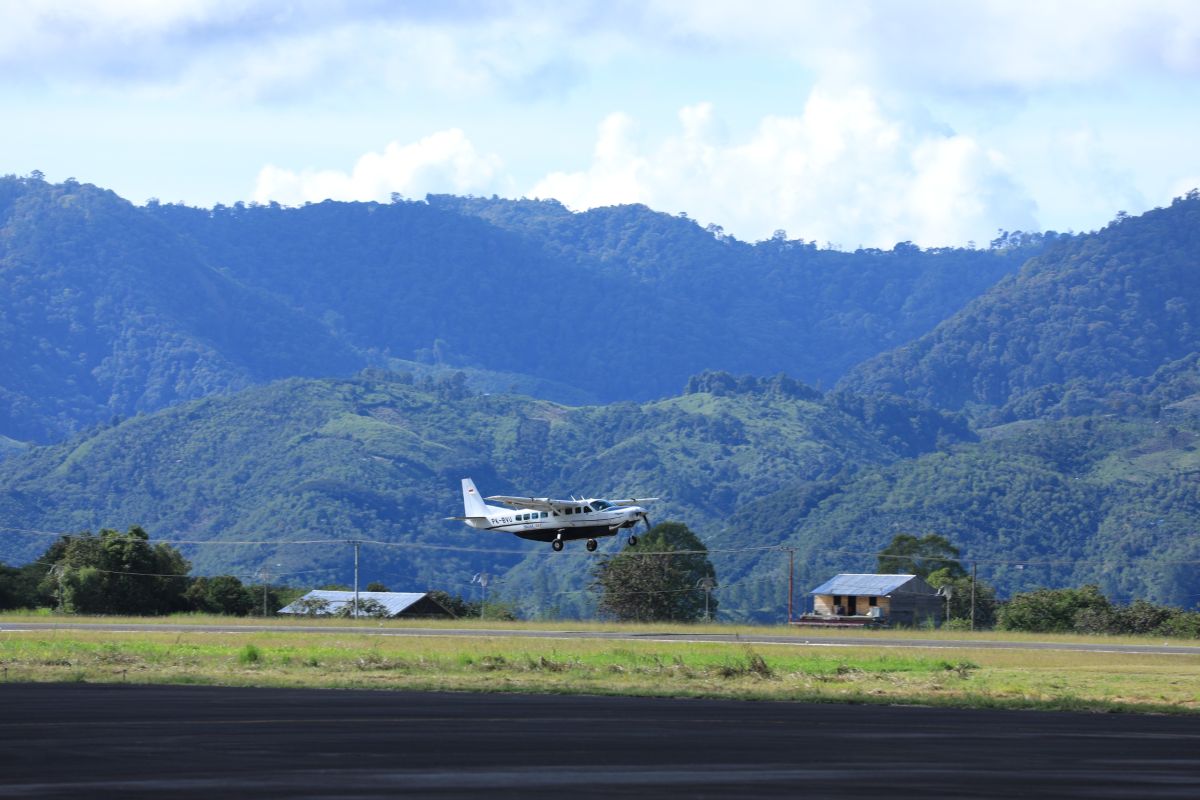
{"points": [[908, 555], [221, 594], [1054, 610], [455, 604], [311, 606], [19, 587], [960, 596], [658, 580], [376, 586], [116, 573]]}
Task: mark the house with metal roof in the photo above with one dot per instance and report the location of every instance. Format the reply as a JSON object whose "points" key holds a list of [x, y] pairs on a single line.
{"points": [[863, 599], [393, 605]]}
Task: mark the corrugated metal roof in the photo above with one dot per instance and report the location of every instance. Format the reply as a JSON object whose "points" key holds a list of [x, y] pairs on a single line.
{"points": [[862, 584], [394, 602]]}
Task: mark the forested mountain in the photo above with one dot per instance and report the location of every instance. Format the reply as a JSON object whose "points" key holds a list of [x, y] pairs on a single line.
{"points": [[227, 337], [110, 309], [530, 287], [1107, 322], [753, 466], [380, 458], [105, 311], [1047, 503]]}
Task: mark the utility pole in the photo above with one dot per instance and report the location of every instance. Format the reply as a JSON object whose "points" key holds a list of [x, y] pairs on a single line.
{"points": [[707, 584], [356, 544], [974, 575], [791, 587]]}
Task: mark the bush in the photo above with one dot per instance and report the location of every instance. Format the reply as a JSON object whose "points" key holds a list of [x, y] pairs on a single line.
{"points": [[1182, 624], [1052, 610]]}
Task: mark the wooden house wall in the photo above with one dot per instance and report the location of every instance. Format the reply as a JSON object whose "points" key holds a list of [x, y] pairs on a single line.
{"points": [[823, 604]]}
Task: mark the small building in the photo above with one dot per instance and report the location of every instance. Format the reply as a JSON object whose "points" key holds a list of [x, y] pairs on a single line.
{"points": [[398, 605], [863, 599]]}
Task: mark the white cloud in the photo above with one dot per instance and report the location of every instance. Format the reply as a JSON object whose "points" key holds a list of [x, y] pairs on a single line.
{"points": [[844, 171], [443, 162], [987, 43], [922, 43]]}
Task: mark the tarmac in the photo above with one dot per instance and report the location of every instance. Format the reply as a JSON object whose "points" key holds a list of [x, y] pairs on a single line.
{"points": [[132, 741]]}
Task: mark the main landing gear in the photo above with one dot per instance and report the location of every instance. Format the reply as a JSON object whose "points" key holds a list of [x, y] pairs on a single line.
{"points": [[557, 544]]}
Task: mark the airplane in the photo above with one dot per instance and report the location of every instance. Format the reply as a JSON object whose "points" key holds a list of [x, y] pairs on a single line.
{"points": [[542, 519]]}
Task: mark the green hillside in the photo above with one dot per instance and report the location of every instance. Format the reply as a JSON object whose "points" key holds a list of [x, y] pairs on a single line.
{"points": [[623, 303], [380, 457], [752, 465], [1048, 503], [108, 309], [105, 312], [1108, 322]]}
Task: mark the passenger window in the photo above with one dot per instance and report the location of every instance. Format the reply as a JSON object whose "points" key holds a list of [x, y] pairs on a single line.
{"points": [[569, 510]]}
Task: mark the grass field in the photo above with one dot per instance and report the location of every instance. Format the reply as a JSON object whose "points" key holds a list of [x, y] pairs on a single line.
{"points": [[864, 635], [1042, 679]]}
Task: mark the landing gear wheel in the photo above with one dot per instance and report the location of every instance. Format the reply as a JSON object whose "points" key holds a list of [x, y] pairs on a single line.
{"points": [[591, 545], [557, 544], [633, 541]]}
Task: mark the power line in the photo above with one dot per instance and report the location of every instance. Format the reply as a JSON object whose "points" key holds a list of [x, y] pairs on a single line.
{"points": [[782, 548]]}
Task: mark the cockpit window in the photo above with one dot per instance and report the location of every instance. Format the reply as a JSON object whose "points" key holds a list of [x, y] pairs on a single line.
{"points": [[600, 505], [587, 509]]}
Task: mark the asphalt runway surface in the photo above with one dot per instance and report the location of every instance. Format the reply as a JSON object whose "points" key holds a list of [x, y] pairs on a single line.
{"points": [[89, 740], [799, 638]]}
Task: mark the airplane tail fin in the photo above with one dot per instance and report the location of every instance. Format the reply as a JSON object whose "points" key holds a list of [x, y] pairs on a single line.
{"points": [[473, 505]]}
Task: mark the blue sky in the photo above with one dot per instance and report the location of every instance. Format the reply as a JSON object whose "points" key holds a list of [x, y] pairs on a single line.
{"points": [[852, 123]]}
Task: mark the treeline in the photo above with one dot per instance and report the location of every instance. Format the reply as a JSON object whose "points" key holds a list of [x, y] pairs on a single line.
{"points": [[1087, 610], [123, 573]]}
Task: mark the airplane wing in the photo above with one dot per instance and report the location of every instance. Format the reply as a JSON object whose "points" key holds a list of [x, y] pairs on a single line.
{"points": [[535, 503], [634, 501]]}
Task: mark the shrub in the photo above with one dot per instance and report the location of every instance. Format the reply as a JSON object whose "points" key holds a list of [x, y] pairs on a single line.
{"points": [[1051, 610]]}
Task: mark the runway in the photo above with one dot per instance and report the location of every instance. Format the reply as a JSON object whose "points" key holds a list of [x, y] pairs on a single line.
{"points": [[82, 740], [794, 638]]}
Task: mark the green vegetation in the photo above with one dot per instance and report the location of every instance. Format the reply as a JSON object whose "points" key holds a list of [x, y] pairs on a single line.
{"points": [[983, 678], [1056, 503], [379, 458], [124, 573], [1086, 610], [109, 309], [151, 336], [1107, 322], [909, 555], [661, 587]]}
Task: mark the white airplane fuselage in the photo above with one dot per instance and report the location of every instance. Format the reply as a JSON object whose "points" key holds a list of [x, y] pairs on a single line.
{"points": [[584, 522], [556, 521]]}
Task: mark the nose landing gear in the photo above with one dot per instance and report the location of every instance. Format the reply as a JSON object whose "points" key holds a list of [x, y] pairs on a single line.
{"points": [[591, 545]]}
